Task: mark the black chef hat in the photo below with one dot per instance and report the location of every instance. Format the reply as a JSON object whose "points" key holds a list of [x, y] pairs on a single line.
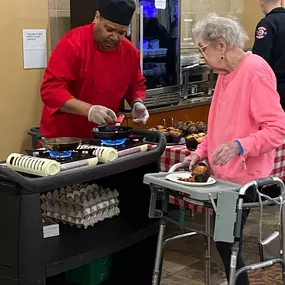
{"points": [[117, 11]]}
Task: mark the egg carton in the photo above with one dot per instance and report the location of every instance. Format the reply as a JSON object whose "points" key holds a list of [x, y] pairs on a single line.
{"points": [[80, 197], [73, 211], [80, 205], [97, 209], [84, 222]]}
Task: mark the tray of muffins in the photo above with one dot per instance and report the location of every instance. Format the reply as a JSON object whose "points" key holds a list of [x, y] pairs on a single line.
{"points": [[189, 133]]}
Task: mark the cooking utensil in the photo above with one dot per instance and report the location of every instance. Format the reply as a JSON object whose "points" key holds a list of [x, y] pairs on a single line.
{"points": [[61, 143], [120, 120], [112, 132]]}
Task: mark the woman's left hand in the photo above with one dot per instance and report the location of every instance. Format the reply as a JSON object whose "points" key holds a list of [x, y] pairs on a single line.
{"points": [[224, 153]]}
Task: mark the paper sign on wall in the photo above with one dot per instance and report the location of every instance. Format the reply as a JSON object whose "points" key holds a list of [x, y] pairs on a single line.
{"points": [[160, 4], [35, 48]]}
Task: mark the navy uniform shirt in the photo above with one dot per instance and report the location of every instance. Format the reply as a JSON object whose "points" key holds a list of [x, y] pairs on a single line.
{"points": [[270, 44], [270, 40]]}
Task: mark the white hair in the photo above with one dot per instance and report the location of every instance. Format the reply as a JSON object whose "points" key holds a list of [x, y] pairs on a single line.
{"points": [[214, 27]]}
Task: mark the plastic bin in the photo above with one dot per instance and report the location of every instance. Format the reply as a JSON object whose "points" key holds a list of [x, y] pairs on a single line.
{"points": [[35, 134], [93, 273]]}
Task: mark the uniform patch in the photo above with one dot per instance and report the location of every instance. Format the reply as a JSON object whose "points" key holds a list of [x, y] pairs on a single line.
{"points": [[261, 33]]}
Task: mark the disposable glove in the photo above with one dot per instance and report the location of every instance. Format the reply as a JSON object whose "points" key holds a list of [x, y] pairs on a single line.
{"points": [[101, 115], [139, 113]]}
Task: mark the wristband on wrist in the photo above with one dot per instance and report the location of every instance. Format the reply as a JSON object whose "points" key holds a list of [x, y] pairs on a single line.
{"points": [[240, 148]]}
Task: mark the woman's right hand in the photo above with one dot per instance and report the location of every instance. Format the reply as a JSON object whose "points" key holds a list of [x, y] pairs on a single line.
{"points": [[193, 158]]}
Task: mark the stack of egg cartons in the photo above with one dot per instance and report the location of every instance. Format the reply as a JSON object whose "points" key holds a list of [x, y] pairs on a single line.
{"points": [[81, 205]]}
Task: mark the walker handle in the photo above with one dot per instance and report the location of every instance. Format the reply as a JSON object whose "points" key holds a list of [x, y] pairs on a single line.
{"points": [[184, 164], [265, 181]]}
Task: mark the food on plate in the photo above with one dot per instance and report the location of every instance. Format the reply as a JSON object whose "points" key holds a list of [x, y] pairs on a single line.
{"points": [[200, 174], [189, 179], [152, 129], [200, 169]]}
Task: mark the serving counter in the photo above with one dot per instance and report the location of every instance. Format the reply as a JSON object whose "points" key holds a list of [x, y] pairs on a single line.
{"points": [[197, 111]]}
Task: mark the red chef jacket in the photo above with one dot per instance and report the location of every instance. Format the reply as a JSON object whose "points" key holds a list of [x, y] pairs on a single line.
{"points": [[78, 69]]}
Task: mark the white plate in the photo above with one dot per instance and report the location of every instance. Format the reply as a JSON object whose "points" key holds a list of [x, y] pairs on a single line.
{"points": [[174, 177]]}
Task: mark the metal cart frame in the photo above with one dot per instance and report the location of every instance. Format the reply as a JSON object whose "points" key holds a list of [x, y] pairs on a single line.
{"points": [[160, 192]]}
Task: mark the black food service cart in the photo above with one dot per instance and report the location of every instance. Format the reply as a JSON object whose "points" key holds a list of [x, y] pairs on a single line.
{"points": [[26, 258]]}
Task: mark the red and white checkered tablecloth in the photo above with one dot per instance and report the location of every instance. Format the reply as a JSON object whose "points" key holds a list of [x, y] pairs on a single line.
{"points": [[177, 153]]}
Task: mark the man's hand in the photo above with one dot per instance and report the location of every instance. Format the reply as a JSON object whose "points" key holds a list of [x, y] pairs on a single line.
{"points": [[224, 153], [193, 158], [101, 115], [139, 113]]}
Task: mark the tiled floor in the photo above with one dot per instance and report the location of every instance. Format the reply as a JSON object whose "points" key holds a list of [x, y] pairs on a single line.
{"points": [[183, 260]]}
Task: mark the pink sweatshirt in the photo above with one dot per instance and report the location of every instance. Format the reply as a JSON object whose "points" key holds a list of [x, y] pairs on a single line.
{"points": [[245, 107]]}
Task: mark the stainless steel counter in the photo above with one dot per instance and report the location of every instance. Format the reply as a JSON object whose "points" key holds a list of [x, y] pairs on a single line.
{"points": [[183, 105]]}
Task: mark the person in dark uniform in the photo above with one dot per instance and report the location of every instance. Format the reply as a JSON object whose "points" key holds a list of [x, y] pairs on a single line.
{"points": [[270, 41]]}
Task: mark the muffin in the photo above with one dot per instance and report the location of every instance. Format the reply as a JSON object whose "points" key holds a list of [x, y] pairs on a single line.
{"points": [[201, 127], [191, 141], [170, 129], [201, 172], [152, 137], [175, 136], [181, 126], [192, 129], [167, 135], [160, 127]]}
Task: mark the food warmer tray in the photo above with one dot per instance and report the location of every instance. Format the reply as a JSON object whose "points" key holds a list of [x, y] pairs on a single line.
{"points": [[195, 192]]}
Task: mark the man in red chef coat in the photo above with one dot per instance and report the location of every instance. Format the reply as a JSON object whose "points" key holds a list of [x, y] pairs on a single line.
{"points": [[90, 71]]}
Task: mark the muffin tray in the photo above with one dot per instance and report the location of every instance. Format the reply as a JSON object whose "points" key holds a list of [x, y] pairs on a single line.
{"points": [[199, 193], [177, 134], [181, 142], [80, 205]]}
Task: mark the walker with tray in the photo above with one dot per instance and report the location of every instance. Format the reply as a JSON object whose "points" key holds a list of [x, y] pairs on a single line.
{"points": [[227, 201]]}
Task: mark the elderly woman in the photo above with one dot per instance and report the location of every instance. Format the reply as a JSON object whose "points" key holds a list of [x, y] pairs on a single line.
{"points": [[246, 122]]}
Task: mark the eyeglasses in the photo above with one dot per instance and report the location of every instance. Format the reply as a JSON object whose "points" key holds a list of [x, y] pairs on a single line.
{"points": [[202, 49]]}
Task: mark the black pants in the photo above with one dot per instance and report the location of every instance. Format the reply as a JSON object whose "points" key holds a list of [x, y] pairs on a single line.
{"points": [[225, 250]]}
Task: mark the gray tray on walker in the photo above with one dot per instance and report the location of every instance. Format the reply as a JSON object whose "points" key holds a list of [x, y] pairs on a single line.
{"points": [[200, 193]]}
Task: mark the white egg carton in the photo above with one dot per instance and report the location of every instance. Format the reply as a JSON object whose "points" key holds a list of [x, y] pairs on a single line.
{"points": [[81, 205]]}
